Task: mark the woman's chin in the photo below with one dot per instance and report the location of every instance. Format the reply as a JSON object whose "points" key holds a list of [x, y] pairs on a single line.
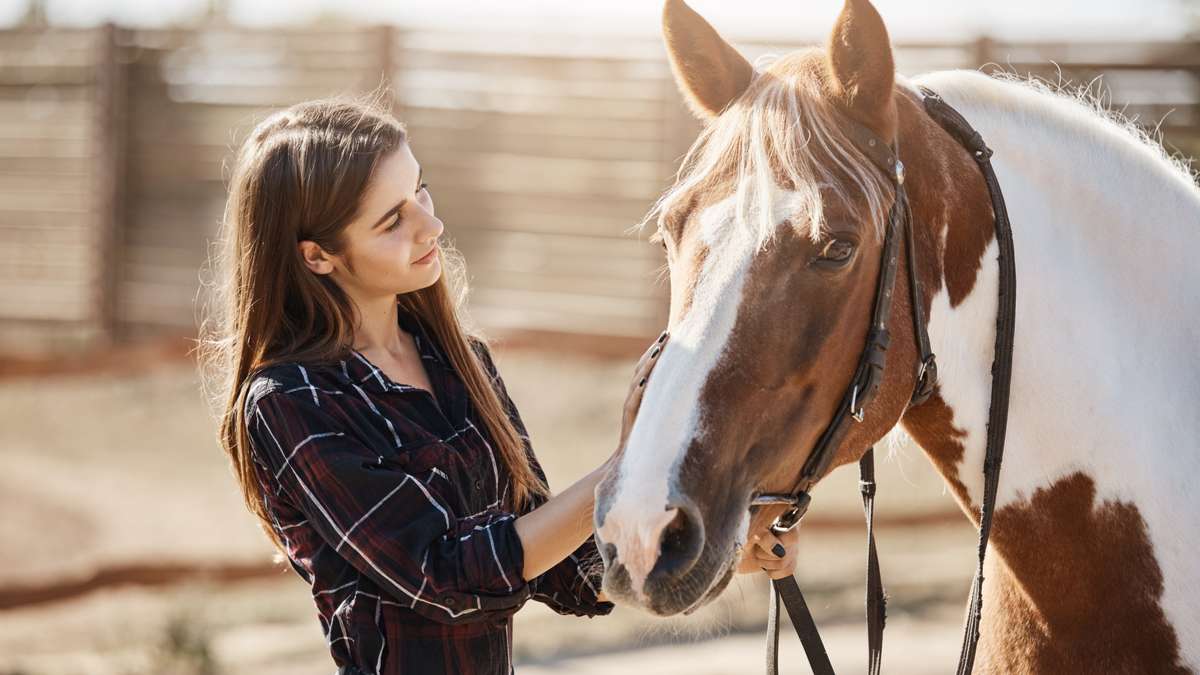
{"points": [[424, 276]]}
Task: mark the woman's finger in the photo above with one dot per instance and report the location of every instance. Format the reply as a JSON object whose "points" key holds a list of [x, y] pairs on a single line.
{"points": [[772, 544], [767, 556], [776, 553], [651, 352], [769, 561], [633, 399]]}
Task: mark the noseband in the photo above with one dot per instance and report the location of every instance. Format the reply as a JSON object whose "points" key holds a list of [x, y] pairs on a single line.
{"points": [[868, 376]]}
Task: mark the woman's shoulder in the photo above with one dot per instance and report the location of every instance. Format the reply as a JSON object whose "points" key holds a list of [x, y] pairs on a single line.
{"points": [[291, 379]]}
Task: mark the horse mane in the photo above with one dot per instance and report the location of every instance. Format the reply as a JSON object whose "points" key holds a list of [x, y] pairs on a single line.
{"points": [[783, 126], [1076, 108], [782, 129]]}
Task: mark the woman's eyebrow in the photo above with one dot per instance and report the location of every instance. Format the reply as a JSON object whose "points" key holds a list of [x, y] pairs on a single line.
{"points": [[400, 205]]}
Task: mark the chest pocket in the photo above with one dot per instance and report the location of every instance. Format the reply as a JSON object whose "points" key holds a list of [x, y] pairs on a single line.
{"points": [[424, 456]]}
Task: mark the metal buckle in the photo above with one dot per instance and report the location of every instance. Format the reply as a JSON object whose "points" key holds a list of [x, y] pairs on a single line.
{"points": [[856, 414], [790, 518], [787, 521], [926, 378]]}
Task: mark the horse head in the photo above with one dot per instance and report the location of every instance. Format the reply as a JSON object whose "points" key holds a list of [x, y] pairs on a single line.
{"points": [[773, 234]]}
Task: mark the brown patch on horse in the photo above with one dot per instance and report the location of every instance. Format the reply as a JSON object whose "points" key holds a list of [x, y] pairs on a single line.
{"points": [[709, 71], [1080, 587], [931, 425], [945, 190]]}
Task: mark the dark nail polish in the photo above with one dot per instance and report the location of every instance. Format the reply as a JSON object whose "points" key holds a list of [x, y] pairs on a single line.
{"points": [[642, 383], [663, 336], [779, 550], [654, 353]]}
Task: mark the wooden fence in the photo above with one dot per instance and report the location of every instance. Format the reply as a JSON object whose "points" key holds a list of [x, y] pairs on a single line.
{"points": [[542, 152]]}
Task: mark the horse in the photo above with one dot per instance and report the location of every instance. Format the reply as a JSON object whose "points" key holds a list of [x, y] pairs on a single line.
{"points": [[772, 236]]}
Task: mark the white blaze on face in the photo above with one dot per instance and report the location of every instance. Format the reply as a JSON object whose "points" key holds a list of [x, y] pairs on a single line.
{"points": [[669, 417]]}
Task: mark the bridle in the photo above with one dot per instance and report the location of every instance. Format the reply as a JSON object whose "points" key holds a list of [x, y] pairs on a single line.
{"points": [[865, 385]]}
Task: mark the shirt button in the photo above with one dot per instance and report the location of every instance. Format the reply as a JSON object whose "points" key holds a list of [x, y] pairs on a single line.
{"points": [[479, 486], [448, 601]]}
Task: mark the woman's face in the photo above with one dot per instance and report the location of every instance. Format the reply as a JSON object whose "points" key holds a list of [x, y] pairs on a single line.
{"points": [[392, 243]]}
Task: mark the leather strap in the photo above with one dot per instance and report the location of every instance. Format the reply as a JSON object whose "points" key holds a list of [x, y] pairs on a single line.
{"points": [[927, 366], [802, 621], [876, 598], [797, 608], [957, 126]]}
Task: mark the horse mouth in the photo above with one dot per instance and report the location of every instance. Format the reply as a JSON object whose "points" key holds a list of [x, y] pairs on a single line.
{"points": [[720, 582], [685, 594]]}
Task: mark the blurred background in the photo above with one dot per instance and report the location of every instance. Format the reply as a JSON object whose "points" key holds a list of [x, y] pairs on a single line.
{"points": [[546, 130]]}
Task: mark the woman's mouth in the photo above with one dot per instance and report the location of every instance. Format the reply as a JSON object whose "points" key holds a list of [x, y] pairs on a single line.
{"points": [[427, 258]]}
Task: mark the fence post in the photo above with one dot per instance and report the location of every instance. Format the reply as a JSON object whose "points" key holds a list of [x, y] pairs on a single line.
{"points": [[111, 106]]}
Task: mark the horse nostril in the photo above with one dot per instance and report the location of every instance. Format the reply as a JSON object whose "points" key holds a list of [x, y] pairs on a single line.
{"points": [[680, 543]]}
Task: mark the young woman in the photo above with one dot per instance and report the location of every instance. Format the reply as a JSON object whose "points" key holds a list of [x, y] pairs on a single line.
{"points": [[371, 435]]}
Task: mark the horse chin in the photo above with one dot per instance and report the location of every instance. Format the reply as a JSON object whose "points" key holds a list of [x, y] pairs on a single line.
{"points": [[716, 589], [702, 584]]}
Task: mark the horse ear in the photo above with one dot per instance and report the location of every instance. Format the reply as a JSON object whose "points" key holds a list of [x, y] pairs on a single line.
{"points": [[708, 70], [860, 61]]}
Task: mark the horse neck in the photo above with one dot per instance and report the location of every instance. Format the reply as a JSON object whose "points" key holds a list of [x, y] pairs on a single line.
{"points": [[1107, 319]]}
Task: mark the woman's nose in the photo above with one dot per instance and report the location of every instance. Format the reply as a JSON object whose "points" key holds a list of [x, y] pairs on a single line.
{"points": [[433, 228]]}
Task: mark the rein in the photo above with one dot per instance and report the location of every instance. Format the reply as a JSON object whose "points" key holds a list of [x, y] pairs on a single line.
{"points": [[865, 384]]}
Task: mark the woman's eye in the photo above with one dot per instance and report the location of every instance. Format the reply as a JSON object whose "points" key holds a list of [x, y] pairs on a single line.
{"points": [[395, 223], [837, 250]]}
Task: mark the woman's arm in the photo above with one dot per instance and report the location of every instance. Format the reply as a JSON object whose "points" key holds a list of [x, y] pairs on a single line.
{"points": [[553, 530]]}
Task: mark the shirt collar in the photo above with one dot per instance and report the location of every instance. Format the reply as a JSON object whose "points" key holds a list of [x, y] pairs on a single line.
{"points": [[358, 369]]}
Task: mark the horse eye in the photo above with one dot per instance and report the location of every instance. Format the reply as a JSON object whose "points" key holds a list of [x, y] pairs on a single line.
{"points": [[837, 250]]}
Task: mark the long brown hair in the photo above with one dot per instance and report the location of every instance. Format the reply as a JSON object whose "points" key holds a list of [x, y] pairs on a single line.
{"points": [[300, 175]]}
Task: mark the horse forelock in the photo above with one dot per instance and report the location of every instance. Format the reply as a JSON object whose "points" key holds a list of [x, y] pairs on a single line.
{"points": [[783, 132]]}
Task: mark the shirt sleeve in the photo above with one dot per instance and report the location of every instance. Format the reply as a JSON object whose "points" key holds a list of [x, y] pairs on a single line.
{"points": [[383, 520], [571, 586]]}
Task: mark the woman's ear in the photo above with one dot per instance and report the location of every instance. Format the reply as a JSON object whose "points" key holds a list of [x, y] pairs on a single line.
{"points": [[315, 258]]}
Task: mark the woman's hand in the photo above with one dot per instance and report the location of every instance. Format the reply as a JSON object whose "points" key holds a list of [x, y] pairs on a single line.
{"points": [[641, 373], [771, 553]]}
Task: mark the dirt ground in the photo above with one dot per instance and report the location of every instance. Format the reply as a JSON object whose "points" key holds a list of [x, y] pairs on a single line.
{"points": [[120, 475]]}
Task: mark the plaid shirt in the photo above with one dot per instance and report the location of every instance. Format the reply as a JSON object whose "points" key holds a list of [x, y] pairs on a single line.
{"points": [[389, 503]]}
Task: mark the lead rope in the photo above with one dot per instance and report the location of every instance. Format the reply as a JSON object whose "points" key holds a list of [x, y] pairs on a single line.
{"points": [[876, 599], [957, 125], [801, 616], [802, 621]]}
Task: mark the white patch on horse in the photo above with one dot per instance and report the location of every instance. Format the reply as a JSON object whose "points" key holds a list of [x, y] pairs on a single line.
{"points": [[670, 416], [1107, 318]]}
